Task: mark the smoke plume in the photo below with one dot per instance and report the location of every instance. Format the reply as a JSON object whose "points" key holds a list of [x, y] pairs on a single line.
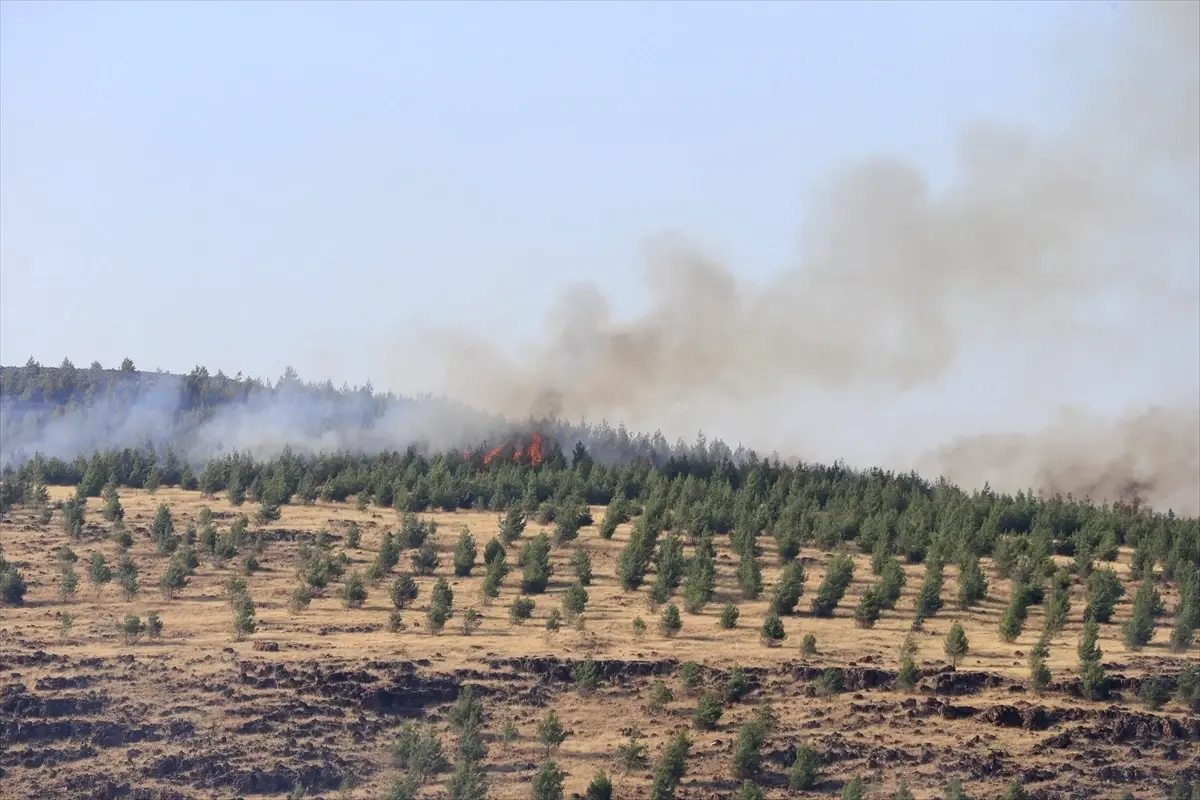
{"points": [[1055, 250]]}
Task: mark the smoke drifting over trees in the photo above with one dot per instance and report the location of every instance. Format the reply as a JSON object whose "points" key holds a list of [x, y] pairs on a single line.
{"points": [[1063, 245], [1058, 249]]}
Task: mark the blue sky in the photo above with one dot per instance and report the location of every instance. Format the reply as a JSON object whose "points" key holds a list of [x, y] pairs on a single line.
{"points": [[235, 183], [254, 185]]}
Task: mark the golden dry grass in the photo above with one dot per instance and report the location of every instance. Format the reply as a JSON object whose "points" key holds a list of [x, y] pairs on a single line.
{"points": [[198, 644]]}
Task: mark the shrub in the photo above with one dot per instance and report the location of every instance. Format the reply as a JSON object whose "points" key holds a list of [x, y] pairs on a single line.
{"points": [[708, 712], [772, 633], [548, 781], [956, 644], [131, 628], [354, 591], [805, 771], [600, 788], [729, 616], [520, 610], [403, 591], [670, 623]]}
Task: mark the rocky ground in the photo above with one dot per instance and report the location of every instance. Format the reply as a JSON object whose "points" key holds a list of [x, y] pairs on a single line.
{"points": [[310, 705]]}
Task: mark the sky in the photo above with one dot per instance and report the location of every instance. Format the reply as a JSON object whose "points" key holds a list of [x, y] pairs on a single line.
{"points": [[249, 186]]}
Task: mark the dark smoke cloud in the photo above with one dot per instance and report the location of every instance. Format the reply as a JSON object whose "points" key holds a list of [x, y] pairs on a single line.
{"points": [[1053, 243]]}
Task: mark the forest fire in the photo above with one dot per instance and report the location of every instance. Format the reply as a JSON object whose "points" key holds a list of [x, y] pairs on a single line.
{"points": [[528, 449]]}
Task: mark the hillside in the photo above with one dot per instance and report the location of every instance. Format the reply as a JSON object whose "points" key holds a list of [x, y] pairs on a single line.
{"points": [[315, 697]]}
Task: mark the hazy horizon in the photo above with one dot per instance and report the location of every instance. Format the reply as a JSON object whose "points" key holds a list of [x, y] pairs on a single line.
{"points": [[892, 229]]}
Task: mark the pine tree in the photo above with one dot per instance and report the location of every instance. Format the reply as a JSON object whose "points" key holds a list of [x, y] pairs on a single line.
{"points": [[869, 607], [548, 781], [535, 560], [805, 772], [465, 552], [956, 644], [551, 732], [789, 589]]}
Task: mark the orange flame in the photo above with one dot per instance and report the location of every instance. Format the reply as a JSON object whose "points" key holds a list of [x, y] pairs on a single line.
{"points": [[492, 455], [535, 450]]}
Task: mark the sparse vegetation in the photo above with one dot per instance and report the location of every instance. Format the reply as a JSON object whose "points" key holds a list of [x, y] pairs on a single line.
{"points": [[720, 550]]}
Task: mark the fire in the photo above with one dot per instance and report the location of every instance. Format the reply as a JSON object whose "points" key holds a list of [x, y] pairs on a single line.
{"points": [[533, 453]]}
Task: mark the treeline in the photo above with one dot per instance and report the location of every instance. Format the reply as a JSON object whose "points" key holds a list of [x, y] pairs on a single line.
{"points": [[829, 506], [66, 411]]}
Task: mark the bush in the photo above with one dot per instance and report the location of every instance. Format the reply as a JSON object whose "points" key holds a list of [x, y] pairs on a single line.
{"points": [[587, 676], [729, 616], [747, 753], [670, 623], [956, 644], [548, 781], [689, 676], [808, 646], [154, 626], [131, 628], [354, 591], [403, 591], [805, 771], [520, 610], [708, 712], [600, 788], [772, 633]]}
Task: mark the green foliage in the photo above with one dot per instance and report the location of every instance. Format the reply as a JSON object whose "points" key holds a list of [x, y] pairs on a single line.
{"points": [[131, 628], [547, 781], [535, 563], [154, 625], [574, 600], [838, 575], [789, 589], [772, 633], [68, 582], [902, 791], [956, 645], [520, 610], [403, 591], [465, 552], [854, 789], [244, 622], [729, 616], [869, 607], [581, 565], [805, 772], [1104, 589], [1188, 686], [737, 685], [670, 768], [670, 623], [1015, 791], [808, 645], [972, 584], [633, 756], [418, 751], [708, 712], [660, 696], [747, 752], [587, 676], [954, 790], [354, 591], [425, 560], [690, 676], [600, 788], [929, 597], [550, 731]]}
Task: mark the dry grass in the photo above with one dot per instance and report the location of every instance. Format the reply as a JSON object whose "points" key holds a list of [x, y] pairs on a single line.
{"points": [[198, 645]]}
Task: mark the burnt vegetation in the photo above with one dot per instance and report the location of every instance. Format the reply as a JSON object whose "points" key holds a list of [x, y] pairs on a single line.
{"points": [[1096, 605]]}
